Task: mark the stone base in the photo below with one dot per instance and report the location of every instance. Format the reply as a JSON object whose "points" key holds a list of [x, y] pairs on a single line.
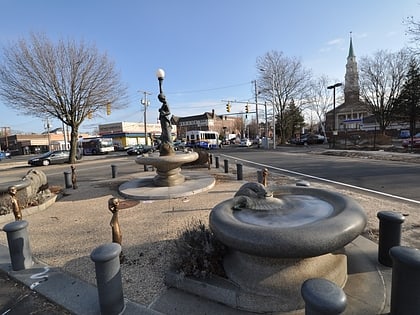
{"points": [[280, 279], [169, 178]]}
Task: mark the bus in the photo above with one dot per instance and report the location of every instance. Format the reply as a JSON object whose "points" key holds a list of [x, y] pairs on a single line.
{"points": [[92, 146], [202, 139]]}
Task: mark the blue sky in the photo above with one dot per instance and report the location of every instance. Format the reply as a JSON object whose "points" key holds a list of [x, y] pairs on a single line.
{"points": [[208, 49]]}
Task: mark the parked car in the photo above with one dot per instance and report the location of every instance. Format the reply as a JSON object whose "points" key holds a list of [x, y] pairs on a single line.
{"points": [[5, 155], [245, 142], [51, 157], [309, 139], [404, 134], [406, 143], [140, 149], [179, 145]]}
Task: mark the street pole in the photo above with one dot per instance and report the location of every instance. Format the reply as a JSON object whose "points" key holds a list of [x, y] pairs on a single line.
{"points": [[333, 87], [274, 113], [256, 113], [145, 102]]}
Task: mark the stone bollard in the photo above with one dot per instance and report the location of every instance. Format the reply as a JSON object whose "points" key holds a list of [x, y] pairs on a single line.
{"points": [[216, 158], [226, 163], [323, 297], [18, 241], [108, 278], [389, 234], [114, 170], [67, 180], [239, 172], [405, 288]]}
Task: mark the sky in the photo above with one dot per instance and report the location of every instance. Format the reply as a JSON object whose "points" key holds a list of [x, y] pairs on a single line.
{"points": [[208, 49]]}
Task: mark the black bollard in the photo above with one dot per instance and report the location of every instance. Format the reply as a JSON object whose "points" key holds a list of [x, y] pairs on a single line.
{"points": [[108, 278], [18, 241], [211, 159], [114, 170], [389, 234], [323, 297], [259, 176], [239, 172], [67, 180], [226, 163], [405, 287], [216, 158]]}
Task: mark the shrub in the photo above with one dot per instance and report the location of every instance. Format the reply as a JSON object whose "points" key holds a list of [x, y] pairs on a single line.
{"points": [[199, 253]]}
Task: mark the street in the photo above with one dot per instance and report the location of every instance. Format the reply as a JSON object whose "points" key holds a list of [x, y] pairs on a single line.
{"points": [[394, 178]]}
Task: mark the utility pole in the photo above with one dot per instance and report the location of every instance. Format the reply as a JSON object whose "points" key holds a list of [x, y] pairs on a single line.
{"points": [[256, 113], [145, 102]]}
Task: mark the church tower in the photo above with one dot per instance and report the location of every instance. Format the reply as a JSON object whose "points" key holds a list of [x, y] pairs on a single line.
{"points": [[351, 84]]}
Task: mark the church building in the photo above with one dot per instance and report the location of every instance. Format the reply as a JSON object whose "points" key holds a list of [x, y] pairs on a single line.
{"points": [[350, 114]]}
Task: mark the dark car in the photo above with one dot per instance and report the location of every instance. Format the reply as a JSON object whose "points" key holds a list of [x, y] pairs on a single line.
{"points": [[140, 149], [309, 139], [51, 157]]}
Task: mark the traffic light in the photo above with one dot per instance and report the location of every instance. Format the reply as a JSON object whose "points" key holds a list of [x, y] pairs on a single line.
{"points": [[247, 108], [228, 107], [108, 108]]}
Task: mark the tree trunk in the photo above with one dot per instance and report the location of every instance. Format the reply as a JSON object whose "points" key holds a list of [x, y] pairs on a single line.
{"points": [[74, 150]]}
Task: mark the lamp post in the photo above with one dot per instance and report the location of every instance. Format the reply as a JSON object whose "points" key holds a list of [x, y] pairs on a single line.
{"points": [[145, 102], [333, 87], [274, 108]]}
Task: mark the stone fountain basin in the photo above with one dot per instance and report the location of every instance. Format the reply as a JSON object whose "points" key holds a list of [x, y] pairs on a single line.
{"points": [[305, 222], [167, 162]]}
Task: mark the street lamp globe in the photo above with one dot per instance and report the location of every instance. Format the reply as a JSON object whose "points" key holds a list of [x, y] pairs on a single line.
{"points": [[160, 73]]}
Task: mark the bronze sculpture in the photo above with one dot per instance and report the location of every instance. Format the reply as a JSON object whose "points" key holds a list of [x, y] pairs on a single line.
{"points": [[12, 190], [113, 204], [264, 177], [166, 145]]}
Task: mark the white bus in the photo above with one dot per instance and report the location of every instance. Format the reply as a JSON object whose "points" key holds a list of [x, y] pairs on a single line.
{"points": [[203, 139], [91, 146]]}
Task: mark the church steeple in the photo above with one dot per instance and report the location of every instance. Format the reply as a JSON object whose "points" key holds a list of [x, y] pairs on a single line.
{"points": [[351, 84]]}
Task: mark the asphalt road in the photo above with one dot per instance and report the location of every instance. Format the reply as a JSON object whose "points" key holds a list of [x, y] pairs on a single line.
{"points": [[389, 177]]}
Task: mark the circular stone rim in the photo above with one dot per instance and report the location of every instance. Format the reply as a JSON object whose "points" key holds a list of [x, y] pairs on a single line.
{"points": [[347, 221]]}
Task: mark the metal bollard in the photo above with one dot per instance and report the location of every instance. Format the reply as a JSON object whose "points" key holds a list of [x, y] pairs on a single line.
{"points": [[19, 249], [239, 172], [114, 170], [216, 158], [211, 159], [405, 287], [67, 180], [145, 167], [259, 176], [389, 234], [226, 163], [323, 297], [108, 278]]}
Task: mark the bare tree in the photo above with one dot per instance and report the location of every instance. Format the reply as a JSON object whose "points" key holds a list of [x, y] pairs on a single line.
{"points": [[282, 80], [320, 99], [67, 80], [381, 79], [413, 29]]}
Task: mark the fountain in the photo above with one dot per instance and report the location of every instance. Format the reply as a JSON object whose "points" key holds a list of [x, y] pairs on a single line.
{"points": [[168, 181], [278, 239]]}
